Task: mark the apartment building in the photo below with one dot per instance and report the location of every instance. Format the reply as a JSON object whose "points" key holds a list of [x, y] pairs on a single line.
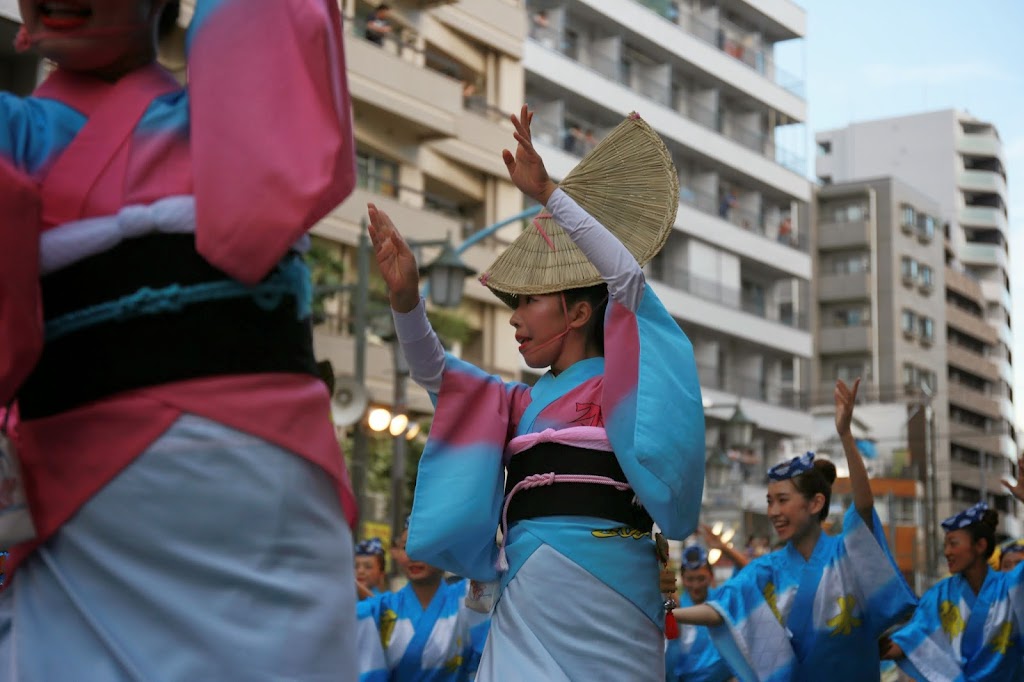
{"points": [[735, 272], [958, 161]]}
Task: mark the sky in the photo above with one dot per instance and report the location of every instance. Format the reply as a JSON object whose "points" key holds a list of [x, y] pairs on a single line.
{"points": [[869, 59]]}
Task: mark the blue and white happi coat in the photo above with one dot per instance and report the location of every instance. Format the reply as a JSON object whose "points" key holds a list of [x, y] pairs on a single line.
{"points": [[692, 657], [400, 641], [791, 619], [956, 635]]}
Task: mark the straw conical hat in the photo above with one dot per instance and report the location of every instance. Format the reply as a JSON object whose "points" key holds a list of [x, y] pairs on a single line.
{"points": [[628, 183]]}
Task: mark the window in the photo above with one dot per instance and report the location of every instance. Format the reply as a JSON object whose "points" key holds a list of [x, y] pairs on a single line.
{"points": [[927, 329], [824, 147], [850, 317], [909, 322], [908, 217], [925, 227], [908, 269], [849, 372], [850, 213], [377, 174], [850, 264], [926, 277]]}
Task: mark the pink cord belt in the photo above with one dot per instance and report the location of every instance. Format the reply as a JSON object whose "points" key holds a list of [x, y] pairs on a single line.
{"points": [[555, 479]]}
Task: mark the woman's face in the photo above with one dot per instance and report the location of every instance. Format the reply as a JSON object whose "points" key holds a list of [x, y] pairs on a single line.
{"points": [[961, 551], [537, 320], [368, 570], [790, 513], [1010, 561], [93, 35]]}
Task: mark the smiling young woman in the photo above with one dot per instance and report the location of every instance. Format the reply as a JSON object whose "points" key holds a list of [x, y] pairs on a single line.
{"points": [[820, 598]]}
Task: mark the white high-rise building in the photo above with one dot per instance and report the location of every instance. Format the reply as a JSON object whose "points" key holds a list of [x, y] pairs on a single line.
{"points": [[735, 273], [958, 161]]}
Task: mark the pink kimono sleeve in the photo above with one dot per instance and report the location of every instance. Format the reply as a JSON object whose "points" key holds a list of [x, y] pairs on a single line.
{"points": [[21, 320], [271, 127]]}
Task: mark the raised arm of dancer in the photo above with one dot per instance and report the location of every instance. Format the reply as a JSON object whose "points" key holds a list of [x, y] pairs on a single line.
{"points": [[702, 614], [423, 350], [618, 267], [739, 559], [863, 499], [1017, 489]]}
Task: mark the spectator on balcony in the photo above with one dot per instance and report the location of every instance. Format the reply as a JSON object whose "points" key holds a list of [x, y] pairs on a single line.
{"points": [[726, 203], [786, 231], [378, 26]]}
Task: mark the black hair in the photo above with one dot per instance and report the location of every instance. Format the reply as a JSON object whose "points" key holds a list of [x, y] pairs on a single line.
{"points": [[597, 297], [168, 19], [985, 529], [818, 479]]}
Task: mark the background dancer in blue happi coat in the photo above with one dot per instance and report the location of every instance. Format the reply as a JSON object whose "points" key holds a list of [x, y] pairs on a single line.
{"points": [[371, 575], [691, 657], [794, 613], [424, 632], [970, 626]]}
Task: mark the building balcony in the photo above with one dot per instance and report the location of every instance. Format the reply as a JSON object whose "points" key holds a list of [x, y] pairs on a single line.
{"points": [[710, 312], [963, 321], [715, 292], [963, 283], [698, 216], [974, 400], [973, 476], [427, 103], [751, 152], [481, 130], [844, 287], [972, 363], [983, 216], [987, 255], [980, 144], [501, 25], [972, 180], [844, 340], [717, 46], [833, 236], [976, 438]]}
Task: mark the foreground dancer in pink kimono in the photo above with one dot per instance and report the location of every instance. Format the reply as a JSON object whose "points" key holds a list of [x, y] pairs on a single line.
{"points": [[191, 506]]}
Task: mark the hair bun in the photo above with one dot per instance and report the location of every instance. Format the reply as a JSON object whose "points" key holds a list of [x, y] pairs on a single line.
{"points": [[827, 470], [990, 518]]}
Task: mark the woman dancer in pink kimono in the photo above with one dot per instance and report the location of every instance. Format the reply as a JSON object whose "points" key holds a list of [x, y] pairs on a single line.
{"points": [[191, 506]]}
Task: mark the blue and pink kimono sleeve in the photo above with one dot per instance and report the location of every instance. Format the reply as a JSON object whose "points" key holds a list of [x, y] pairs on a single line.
{"points": [[271, 127], [653, 412], [460, 482], [21, 320]]}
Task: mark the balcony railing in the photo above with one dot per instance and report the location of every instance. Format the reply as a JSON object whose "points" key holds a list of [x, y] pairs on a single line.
{"points": [[662, 93], [580, 138], [755, 388], [730, 39], [680, 278]]}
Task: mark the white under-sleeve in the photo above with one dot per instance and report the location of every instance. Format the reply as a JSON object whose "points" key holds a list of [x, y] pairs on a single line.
{"points": [[610, 256], [423, 350]]}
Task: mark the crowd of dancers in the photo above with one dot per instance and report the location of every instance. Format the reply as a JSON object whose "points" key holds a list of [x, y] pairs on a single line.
{"points": [[174, 498]]}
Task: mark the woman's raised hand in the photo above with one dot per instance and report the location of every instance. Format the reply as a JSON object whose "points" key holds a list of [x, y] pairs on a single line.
{"points": [[845, 397], [526, 168], [396, 261]]}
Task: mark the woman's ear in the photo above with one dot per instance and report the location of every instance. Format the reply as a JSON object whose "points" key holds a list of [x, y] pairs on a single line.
{"points": [[816, 504], [580, 313]]}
